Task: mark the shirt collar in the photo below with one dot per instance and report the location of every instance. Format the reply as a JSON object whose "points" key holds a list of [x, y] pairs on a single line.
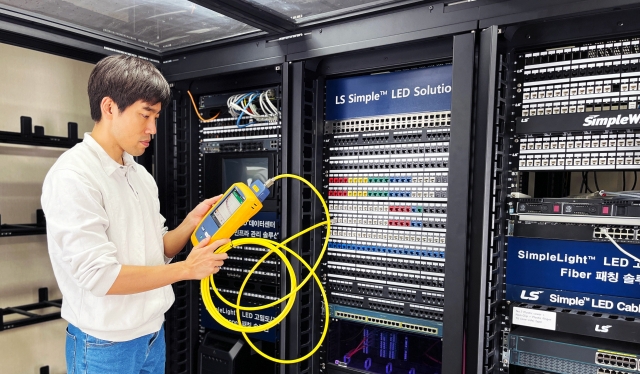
{"points": [[108, 164]]}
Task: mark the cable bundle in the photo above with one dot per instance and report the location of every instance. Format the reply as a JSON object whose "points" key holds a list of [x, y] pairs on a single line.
{"points": [[244, 105]]}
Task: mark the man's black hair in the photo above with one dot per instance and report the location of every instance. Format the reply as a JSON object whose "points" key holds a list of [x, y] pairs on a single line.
{"points": [[126, 79]]}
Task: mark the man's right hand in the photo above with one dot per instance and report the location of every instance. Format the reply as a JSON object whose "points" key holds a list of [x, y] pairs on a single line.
{"points": [[202, 262]]}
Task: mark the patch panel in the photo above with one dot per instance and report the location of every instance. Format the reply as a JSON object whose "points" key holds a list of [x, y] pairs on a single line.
{"points": [[409, 165], [247, 297], [387, 190], [580, 161], [433, 253], [392, 137], [374, 151], [389, 263], [389, 292], [424, 179], [243, 261], [410, 193], [391, 236], [604, 142], [403, 323], [239, 272], [389, 122], [235, 133], [387, 306], [603, 151], [392, 208], [385, 277], [369, 220], [580, 106]]}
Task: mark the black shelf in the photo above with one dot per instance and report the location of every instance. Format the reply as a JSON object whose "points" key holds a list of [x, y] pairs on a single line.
{"points": [[29, 135], [25, 310], [37, 228]]}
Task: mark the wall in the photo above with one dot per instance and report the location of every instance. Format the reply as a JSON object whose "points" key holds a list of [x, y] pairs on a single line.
{"points": [[52, 91]]}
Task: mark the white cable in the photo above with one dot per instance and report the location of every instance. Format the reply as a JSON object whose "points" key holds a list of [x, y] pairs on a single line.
{"points": [[262, 110], [606, 233], [636, 196]]}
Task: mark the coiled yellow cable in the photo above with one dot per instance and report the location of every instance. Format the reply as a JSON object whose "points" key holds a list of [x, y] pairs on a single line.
{"points": [[274, 247]]}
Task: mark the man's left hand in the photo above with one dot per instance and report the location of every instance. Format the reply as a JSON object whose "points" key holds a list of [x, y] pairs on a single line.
{"points": [[195, 216]]}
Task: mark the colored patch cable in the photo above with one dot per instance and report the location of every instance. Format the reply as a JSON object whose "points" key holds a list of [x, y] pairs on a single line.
{"points": [[377, 193], [395, 208], [274, 248], [195, 107], [382, 180], [388, 250], [392, 222]]}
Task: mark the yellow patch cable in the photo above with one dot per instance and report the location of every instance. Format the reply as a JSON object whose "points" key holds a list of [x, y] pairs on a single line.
{"points": [[274, 247]]}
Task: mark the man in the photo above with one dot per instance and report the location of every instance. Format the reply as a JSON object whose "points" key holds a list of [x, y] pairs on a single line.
{"points": [[107, 241]]}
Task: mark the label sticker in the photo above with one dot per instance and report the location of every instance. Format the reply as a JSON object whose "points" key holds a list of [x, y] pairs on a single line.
{"points": [[534, 318]]}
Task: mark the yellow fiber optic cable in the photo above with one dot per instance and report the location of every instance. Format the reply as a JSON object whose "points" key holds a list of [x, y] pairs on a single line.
{"points": [[274, 247]]}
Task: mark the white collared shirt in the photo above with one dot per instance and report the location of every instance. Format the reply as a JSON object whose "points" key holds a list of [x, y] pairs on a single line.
{"points": [[102, 215]]}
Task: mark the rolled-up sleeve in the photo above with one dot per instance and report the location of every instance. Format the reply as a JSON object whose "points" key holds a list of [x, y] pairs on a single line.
{"points": [[77, 223], [164, 230]]}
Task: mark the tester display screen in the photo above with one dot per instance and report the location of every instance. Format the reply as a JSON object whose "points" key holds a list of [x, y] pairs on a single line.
{"points": [[227, 207]]}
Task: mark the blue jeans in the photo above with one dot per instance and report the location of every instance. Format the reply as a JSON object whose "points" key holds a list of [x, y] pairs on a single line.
{"points": [[86, 354]]}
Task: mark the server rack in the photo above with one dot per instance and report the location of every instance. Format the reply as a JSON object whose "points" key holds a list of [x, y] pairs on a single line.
{"points": [[380, 301], [547, 82], [174, 164]]}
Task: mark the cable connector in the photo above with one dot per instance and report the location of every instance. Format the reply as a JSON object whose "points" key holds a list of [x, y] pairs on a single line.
{"points": [[261, 191], [269, 182]]}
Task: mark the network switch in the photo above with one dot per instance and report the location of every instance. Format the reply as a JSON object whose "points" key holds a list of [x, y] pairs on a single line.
{"points": [[391, 321], [568, 353], [572, 231]]}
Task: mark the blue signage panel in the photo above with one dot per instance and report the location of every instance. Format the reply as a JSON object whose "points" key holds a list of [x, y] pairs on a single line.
{"points": [[253, 318], [263, 225], [574, 300], [418, 90], [589, 267]]}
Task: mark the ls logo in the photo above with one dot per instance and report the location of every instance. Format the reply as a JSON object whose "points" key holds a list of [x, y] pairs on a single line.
{"points": [[533, 295], [603, 328]]}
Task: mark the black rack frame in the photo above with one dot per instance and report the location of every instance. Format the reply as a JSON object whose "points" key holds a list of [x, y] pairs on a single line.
{"points": [[37, 228], [35, 136], [25, 310]]}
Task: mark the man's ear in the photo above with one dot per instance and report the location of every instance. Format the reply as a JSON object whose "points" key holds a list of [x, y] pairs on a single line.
{"points": [[108, 108]]}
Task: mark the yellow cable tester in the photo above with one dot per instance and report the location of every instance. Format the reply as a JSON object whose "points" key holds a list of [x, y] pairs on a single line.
{"points": [[234, 209]]}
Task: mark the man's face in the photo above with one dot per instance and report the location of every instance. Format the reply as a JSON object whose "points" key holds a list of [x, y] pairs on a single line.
{"points": [[132, 128]]}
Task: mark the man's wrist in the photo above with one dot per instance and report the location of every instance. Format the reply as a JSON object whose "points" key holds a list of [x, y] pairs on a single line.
{"points": [[182, 270]]}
